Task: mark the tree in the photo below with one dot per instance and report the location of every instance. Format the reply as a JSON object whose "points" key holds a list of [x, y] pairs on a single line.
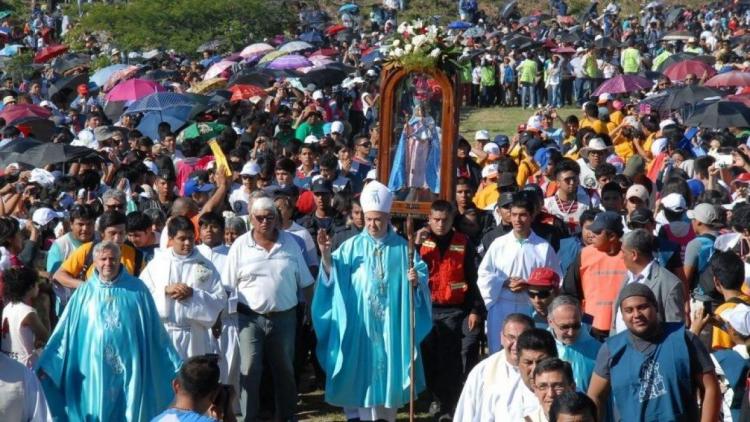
{"points": [[183, 25]]}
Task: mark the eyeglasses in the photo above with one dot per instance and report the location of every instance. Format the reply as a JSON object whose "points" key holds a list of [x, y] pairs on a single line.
{"points": [[541, 294], [264, 218], [558, 387]]}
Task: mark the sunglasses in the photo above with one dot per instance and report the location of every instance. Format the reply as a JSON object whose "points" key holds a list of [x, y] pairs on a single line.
{"points": [[365, 144], [541, 294]]}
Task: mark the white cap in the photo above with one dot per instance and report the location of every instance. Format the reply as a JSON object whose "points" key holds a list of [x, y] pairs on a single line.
{"points": [[603, 98], [337, 127], [376, 197], [665, 123], [738, 317], [251, 168], [317, 95], [674, 202], [311, 139], [489, 170], [492, 149], [534, 122], [482, 135], [637, 191], [658, 145], [42, 216], [43, 177]]}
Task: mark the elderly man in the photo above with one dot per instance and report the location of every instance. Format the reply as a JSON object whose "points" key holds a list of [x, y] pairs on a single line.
{"points": [[505, 268], [361, 314], [266, 267], [552, 377], [574, 343], [638, 254], [655, 370], [492, 381], [109, 357]]}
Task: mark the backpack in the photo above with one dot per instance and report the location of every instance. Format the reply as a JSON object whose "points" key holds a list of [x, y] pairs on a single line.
{"points": [[703, 280], [89, 260]]}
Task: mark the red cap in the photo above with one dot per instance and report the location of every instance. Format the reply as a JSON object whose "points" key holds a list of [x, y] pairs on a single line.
{"points": [[543, 277], [742, 178], [82, 89]]}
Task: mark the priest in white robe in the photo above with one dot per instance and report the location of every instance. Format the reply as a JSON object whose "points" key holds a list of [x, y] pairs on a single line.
{"points": [[187, 290]]}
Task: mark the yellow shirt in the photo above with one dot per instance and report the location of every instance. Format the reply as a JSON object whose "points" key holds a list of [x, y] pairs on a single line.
{"points": [[624, 147], [597, 125], [487, 196], [525, 170], [616, 117], [720, 339], [74, 264]]}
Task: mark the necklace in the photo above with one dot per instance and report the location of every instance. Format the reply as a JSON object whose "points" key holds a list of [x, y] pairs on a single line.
{"points": [[561, 205]]}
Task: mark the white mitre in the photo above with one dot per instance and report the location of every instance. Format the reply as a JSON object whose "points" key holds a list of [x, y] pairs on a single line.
{"points": [[376, 197]]}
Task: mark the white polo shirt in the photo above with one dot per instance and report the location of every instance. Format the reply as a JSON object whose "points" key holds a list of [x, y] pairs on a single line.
{"points": [[266, 281]]}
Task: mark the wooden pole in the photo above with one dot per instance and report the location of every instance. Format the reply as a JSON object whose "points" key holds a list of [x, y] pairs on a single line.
{"points": [[412, 318]]}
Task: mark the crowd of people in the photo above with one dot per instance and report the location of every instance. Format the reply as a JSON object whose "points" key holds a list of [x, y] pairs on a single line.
{"points": [[206, 239]]}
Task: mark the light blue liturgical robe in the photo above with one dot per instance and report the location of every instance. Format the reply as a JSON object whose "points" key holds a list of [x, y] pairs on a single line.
{"points": [[361, 318], [581, 355], [109, 358]]}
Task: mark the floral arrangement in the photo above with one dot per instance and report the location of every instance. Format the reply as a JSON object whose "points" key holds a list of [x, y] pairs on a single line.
{"points": [[416, 46]]}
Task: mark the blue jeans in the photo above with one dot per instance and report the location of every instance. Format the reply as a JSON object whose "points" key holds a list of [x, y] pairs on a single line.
{"points": [[579, 87], [272, 336], [554, 98], [528, 91]]}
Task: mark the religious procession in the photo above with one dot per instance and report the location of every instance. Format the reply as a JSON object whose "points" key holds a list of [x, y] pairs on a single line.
{"points": [[403, 210]]}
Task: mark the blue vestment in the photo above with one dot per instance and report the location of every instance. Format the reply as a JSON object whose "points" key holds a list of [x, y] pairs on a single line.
{"points": [[581, 355], [361, 318], [109, 358], [421, 128]]}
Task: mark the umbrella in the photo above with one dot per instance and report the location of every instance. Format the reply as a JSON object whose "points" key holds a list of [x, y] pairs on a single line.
{"points": [[217, 69], [509, 9], [120, 75], [656, 102], [563, 50], [294, 46], [69, 61], [14, 113], [293, 61], [259, 77], [733, 78], [20, 145], [317, 61], [474, 32], [212, 45], [677, 36], [47, 53], [114, 109], [345, 36], [673, 16], [176, 117], [161, 101], [66, 87], [621, 84], [257, 48], [460, 25], [606, 42], [202, 131], [333, 29], [10, 50], [311, 37], [244, 92], [47, 153], [133, 89], [719, 115], [744, 99], [324, 76], [674, 58], [159, 74], [349, 8], [271, 56], [678, 71], [371, 57], [42, 129], [101, 76], [208, 85], [689, 95]]}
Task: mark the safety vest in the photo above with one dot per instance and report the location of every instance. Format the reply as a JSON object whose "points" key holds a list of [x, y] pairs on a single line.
{"points": [[631, 60], [447, 279], [601, 278]]}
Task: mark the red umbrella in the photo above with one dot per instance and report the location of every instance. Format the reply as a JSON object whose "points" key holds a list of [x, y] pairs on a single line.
{"points": [[733, 78], [678, 71], [133, 89], [334, 29], [50, 52], [243, 92], [563, 50], [621, 84], [744, 99], [14, 113]]}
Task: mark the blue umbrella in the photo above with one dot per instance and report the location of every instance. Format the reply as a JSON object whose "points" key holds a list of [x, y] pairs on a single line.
{"points": [[474, 32], [372, 57], [460, 25], [350, 8], [160, 101], [101, 76], [176, 117]]}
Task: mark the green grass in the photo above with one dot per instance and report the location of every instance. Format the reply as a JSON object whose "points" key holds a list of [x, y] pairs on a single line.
{"points": [[499, 120]]}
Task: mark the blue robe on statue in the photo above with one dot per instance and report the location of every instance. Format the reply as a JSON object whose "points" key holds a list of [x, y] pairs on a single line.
{"points": [[362, 322], [421, 128], [109, 358]]}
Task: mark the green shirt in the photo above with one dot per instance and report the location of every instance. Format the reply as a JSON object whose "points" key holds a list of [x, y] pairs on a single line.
{"points": [[527, 71], [488, 75], [631, 60], [658, 60], [306, 129]]}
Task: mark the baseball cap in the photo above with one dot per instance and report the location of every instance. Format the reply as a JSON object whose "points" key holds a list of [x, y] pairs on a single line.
{"points": [[543, 277], [320, 185], [337, 127], [43, 216], [501, 140], [738, 317], [505, 199], [489, 170], [492, 150], [604, 98], [9, 99], [743, 178], [674, 202], [194, 185], [705, 213], [607, 220], [482, 135], [637, 191], [275, 191], [317, 95], [642, 216], [311, 139], [251, 168]]}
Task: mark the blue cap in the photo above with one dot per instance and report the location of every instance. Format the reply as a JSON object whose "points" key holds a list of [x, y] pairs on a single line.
{"points": [[194, 186], [607, 220], [501, 140]]}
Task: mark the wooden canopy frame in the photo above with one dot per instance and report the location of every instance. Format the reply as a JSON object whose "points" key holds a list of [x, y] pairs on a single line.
{"points": [[391, 78]]}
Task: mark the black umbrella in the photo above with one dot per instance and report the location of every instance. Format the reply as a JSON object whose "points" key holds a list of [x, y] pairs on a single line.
{"points": [[606, 42], [509, 9], [719, 115], [657, 101], [114, 109], [673, 16], [212, 45], [518, 41], [19, 146], [69, 61], [42, 129], [65, 88], [324, 76], [261, 77], [312, 37], [46, 153], [690, 95], [159, 74], [345, 36]]}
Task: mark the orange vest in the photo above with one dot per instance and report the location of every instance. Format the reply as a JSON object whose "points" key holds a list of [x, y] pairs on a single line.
{"points": [[601, 278], [447, 282]]}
